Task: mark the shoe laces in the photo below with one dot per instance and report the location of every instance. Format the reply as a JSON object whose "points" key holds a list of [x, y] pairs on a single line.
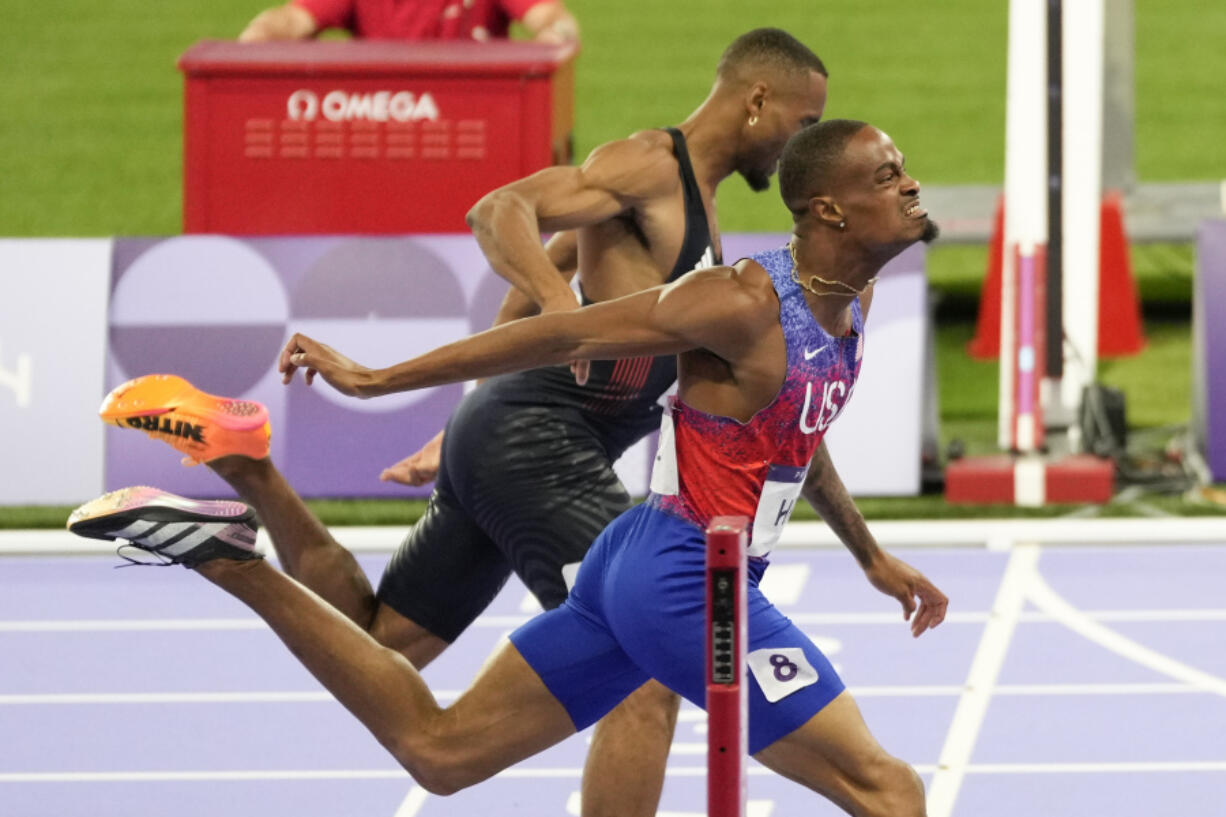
{"points": [[158, 559]]}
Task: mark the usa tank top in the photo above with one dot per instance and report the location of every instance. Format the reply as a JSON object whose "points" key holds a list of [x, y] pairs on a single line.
{"points": [[710, 466]]}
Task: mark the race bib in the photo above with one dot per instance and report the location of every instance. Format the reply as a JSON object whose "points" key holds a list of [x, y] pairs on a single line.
{"points": [[779, 495], [781, 671]]}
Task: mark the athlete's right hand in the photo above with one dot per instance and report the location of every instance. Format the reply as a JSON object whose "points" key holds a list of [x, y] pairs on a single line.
{"points": [[340, 372], [417, 469], [896, 578]]}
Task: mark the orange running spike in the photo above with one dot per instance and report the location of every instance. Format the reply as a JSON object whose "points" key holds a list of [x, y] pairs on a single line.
{"points": [[200, 425]]}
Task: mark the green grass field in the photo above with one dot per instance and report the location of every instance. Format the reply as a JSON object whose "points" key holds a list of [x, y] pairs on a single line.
{"points": [[90, 141], [90, 138]]}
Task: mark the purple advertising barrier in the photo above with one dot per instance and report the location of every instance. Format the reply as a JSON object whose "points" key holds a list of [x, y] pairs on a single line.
{"points": [[218, 310], [1209, 344], [52, 333]]}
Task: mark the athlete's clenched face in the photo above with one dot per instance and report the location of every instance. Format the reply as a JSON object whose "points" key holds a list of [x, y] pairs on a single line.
{"points": [[878, 202], [790, 103]]}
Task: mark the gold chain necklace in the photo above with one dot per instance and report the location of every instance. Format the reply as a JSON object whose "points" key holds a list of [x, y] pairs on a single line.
{"points": [[810, 287]]}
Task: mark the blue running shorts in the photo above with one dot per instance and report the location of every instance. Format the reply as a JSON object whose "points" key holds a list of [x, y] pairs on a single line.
{"points": [[638, 611]]}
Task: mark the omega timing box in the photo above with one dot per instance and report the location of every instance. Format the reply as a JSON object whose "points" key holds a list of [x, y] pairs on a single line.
{"points": [[365, 136]]}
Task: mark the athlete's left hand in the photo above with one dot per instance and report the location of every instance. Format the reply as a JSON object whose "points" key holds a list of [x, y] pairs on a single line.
{"points": [[339, 371], [417, 468], [896, 578]]}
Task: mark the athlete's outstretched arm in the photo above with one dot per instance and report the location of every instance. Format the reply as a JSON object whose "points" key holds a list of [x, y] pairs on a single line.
{"points": [[508, 222], [720, 309], [422, 465], [825, 491]]}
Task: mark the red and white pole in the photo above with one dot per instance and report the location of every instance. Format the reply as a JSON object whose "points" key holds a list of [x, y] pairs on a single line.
{"points": [[727, 698]]}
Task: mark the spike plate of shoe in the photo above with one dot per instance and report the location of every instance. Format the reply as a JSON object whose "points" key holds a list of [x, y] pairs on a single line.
{"points": [[200, 425]]}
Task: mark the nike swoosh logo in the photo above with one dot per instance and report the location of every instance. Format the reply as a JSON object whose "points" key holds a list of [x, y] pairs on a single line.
{"points": [[810, 355]]}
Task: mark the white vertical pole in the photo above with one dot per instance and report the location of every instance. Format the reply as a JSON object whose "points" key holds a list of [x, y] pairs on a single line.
{"points": [[1025, 180], [1083, 35], [1119, 103]]}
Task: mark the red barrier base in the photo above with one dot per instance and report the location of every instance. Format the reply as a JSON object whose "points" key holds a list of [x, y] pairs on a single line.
{"points": [[1009, 479]]}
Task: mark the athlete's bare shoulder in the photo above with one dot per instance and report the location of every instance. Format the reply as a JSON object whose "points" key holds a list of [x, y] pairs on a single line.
{"points": [[758, 291], [738, 338], [641, 166], [655, 138], [734, 305]]}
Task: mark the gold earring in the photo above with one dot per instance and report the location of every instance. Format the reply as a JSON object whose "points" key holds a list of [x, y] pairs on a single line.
{"points": [[753, 120]]}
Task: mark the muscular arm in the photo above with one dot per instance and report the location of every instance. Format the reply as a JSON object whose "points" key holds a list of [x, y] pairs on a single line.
{"points": [[551, 22], [716, 309], [563, 252], [287, 22], [508, 222], [825, 491]]}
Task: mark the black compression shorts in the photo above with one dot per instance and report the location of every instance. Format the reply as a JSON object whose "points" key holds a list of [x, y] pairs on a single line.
{"points": [[521, 488]]}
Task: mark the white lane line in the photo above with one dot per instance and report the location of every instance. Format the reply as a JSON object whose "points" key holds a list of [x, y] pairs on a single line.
{"points": [[199, 777], [144, 698], [687, 714], [938, 690], [903, 691], [226, 624], [127, 625], [112, 698], [413, 801], [1097, 689], [1028, 616], [1099, 768], [1043, 596], [1131, 767], [808, 534], [1209, 614], [799, 618], [753, 808], [985, 669]]}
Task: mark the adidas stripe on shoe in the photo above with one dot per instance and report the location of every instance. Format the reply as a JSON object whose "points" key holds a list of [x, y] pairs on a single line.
{"points": [[176, 530]]}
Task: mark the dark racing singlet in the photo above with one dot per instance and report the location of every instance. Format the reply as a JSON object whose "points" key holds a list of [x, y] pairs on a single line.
{"points": [[526, 479], [620, 399]]}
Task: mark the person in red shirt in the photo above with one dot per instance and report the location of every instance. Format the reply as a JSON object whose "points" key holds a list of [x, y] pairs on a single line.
{"points": [[546, 20]]}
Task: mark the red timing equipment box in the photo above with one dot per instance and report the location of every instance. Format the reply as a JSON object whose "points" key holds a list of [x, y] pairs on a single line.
{"points": [[365, 136]]}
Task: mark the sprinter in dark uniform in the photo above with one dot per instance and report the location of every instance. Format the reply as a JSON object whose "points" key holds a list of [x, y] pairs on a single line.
{"points": [[526, 479]]}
